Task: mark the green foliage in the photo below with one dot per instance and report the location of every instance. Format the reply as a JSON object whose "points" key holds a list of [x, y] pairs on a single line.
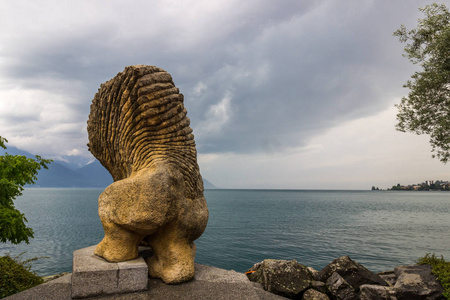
{"points": [[426, 109], [2, 142], [15, 172], [441, 269], [397, 187], [16, 275]]}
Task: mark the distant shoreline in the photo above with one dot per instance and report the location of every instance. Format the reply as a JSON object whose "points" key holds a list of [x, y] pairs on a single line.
{"points": [[254, 189]]}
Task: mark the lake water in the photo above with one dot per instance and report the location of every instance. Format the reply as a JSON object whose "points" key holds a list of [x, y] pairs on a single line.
{"points": [[378, 229]]}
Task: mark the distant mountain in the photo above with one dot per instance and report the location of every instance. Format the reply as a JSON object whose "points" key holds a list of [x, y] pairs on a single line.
{"points": [[95, 172], [62, 174], [15, 151], [208, 185], [58, 175]]}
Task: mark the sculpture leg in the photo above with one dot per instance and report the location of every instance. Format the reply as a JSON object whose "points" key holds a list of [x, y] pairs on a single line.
{"points": [[173, 259], [118, 244]]}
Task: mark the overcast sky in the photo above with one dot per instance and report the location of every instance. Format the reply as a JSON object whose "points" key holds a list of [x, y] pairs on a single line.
{"points": [[281, 94]]}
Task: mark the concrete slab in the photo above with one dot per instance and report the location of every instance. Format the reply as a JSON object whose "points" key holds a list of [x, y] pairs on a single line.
{"points": [[58, 289], [212, 274], [93, 276], [209, 283]]}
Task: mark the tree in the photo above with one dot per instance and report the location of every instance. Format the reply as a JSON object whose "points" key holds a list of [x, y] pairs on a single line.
{"points": [[426, 109], [15, 172], [396, 187]]}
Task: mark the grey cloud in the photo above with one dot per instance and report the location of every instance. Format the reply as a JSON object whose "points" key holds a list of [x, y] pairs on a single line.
{"points": [[257, 75], [319, 72]]}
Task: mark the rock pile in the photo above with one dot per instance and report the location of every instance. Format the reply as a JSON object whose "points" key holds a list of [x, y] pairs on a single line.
{"points": [[345, 279]]}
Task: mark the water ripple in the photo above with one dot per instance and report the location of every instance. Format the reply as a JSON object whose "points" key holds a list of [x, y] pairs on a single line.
{"points": [[379, 230]]}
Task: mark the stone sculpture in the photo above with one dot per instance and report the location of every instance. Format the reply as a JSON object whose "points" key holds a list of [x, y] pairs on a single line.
{"points": [[139, 131]]}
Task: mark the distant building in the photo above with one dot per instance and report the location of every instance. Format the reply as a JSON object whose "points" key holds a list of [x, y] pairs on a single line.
{"points": [[438, 185]]}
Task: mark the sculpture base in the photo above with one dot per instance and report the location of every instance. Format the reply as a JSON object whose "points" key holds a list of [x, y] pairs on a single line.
{"points": [[93, 276]]}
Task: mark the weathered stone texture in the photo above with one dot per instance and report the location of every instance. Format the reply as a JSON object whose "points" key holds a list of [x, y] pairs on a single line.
{"points": [[353, 273], [93, 276], [345, 279], [281, 277], [376, 292], [312, 294], [389, 277], [340, 288], [417, 283], [138, 130]]}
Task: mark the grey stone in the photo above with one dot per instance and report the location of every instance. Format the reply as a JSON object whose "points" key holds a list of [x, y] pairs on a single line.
{"points": [[354, 273], [319, 286], [282, 277], [389, 277], [376, 292], [94, 276], [340, 288], [312, 294], [133, 275], [314, 273], [416, 283]]}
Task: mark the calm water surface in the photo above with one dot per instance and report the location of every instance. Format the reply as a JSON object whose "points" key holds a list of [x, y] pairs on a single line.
{"points": [[378, 229]]}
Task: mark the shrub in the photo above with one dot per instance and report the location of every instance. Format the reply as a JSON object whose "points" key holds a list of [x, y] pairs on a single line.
{"points": [[16, 275], [16, 171], [441, 269]]}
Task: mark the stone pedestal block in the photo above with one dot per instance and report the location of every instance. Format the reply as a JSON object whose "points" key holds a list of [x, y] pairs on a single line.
{"points": [[93, 276]]}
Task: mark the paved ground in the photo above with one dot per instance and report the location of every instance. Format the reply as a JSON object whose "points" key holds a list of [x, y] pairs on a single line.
{"points": [[209, 283]]}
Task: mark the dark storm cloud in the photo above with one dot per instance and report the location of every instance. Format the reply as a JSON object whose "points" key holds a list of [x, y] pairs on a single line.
{"points": [[303, 75], [257, 76]]}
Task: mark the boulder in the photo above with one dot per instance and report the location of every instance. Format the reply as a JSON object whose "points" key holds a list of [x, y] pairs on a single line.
{"points": [[340, 288], [416, 283], [344, 279], [376, 292], [314, 273], [281, 277], [389, 277], [319, 286], [353, 273], [312, 294]]}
